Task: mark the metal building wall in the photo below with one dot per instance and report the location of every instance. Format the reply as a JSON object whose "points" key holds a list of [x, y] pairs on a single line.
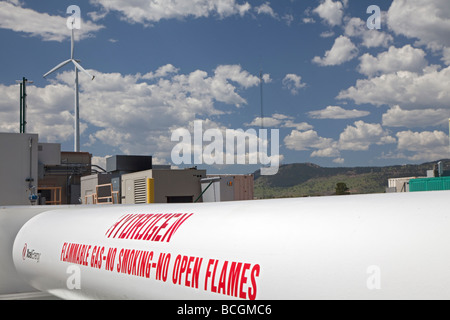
{"points": [[18, 163]]}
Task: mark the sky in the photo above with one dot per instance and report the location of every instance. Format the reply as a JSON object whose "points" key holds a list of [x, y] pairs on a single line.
{"points": [[339, 93]]}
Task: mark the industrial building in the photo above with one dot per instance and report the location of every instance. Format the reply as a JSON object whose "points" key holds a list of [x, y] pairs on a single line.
{"points": [[437, 179], [135, 180], [35, 173], [399, 185], [429, 184], [144, 187], [219, 188], [18, 169], [60, 179], [97, 188], [162, 186]]}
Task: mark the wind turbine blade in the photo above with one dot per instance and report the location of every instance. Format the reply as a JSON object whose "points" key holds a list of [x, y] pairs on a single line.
{"points": [[72, 48], [82, 69], [57, 67]]}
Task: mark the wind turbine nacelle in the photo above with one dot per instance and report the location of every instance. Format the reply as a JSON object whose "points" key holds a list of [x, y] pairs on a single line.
{"points": [[389, 246]]}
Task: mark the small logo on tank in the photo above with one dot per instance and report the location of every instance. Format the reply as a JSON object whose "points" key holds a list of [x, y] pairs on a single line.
{"points": [[24, 252], [30, 254]]}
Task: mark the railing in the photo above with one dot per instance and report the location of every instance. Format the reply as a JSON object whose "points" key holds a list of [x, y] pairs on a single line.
{"points": [[55, 195], [112, 199]]}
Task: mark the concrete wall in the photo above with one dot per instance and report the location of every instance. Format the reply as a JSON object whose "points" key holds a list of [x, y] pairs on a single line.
{"points": [[16, 160], [49, 154]]}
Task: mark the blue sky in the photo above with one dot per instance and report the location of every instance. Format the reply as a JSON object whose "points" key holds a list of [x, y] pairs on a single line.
{"points": [[340, 94]]}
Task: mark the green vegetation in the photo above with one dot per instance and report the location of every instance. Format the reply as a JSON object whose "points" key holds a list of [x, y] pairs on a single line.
{"points": [[342, 189], [304, 180]]}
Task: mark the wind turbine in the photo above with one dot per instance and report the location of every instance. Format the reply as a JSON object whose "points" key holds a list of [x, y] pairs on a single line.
{"points": [[78, 67]]}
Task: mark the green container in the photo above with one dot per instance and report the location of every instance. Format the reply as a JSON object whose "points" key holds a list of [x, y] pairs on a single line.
{"points": [[429, 184]]}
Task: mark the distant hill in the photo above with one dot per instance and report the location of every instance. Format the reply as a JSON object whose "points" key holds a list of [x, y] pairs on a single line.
{"points": [[307, 179]]}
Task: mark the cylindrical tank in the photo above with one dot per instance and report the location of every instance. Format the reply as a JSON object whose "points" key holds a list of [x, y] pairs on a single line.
{"points": [[389, 246]]}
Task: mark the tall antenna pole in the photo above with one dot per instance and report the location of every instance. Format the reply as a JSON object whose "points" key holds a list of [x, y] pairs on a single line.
{"points": [[23, 103], [262, 115], [77, 114], [21, 107], [262, 99]]}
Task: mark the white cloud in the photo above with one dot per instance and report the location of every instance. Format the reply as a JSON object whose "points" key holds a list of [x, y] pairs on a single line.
{"points": [[280, 116], [342, 51], [265, 8], [125, 112], [148, 11], [162, 72], [266, 78], [362, 135], [280, 120], [293, 83], [288, 18], [310, 140], [424, 146], [48, 113], [15, 2], [327, 34], [236, 74], [308, 20], [427, 21], [220, 154], [269, 122], [302, 126], [409, 89], [446, 56], [358, 137], [417, 141], [224, 91], [355, 27], [393, 60], [331, 12], [335, 112], [49, 28], [97, 15], [397, 117], [100, 161], [329, 152]]}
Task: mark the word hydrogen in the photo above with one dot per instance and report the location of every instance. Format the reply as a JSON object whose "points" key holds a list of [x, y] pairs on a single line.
{"points": [[250, 148]]}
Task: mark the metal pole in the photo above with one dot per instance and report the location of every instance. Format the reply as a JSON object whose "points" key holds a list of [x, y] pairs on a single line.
{"points": [[24, 106], [262, 99], [201, 195], [77, 114], [21, 107]]}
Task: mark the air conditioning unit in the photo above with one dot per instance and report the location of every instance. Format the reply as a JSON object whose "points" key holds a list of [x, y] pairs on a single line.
{"points": [[139, 190]]}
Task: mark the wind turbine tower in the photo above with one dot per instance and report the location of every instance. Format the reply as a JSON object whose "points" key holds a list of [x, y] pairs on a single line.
{"points": [[78, 68]]}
